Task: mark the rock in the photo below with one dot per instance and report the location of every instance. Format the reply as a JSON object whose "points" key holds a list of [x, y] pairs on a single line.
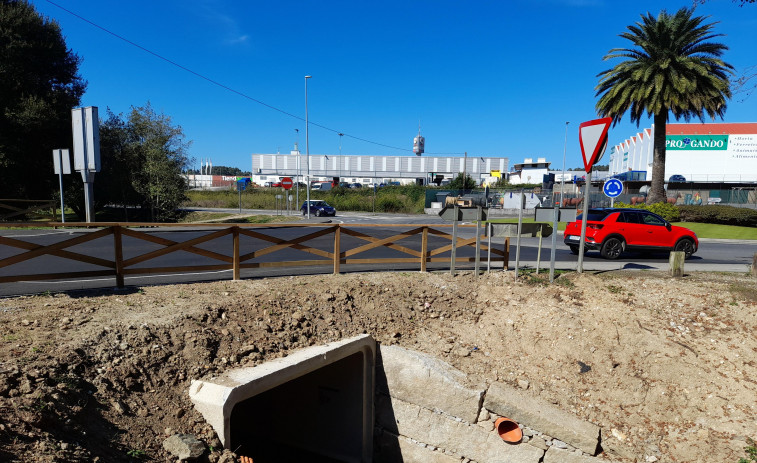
{"points": [[184, 446], [523, 384]]}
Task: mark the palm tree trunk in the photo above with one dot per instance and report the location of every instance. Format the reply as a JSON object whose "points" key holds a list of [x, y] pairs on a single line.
{"points": [[657, 190]]}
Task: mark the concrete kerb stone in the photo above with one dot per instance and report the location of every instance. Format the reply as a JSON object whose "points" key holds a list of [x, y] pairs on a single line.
{"points": [[215, 398], [458, 437], [429, 382], [536, 414]]}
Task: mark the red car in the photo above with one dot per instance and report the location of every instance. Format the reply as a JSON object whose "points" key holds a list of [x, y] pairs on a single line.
{"points": [[615, 230]]}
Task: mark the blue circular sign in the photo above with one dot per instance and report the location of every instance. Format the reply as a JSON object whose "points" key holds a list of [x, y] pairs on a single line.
{"points": [[613, 188]]}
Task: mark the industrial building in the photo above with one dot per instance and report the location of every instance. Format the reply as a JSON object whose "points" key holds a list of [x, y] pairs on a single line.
{"points": [[712, 152], [367, 170]]}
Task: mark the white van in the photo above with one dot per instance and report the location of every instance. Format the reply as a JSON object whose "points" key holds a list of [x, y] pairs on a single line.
{"points": [[323, 186]]}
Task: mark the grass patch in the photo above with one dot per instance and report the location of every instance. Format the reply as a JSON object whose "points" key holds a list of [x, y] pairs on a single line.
{"points": [[204, 216], [710, 230]]}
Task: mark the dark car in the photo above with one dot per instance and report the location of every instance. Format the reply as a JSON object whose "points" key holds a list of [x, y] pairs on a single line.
{"points": [[317, 208], [615, 230], [356, 185], [677, 178]]}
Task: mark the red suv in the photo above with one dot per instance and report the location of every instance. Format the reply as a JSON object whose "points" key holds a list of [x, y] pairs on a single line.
{"points": [[615, 230]]}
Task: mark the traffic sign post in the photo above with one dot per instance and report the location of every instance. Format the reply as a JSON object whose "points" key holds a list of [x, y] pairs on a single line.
{"points": [[592, 136], [612, 189]]}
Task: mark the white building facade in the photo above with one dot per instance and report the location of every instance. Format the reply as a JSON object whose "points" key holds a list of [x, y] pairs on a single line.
{"points": [[712, 152], [372, 169]]}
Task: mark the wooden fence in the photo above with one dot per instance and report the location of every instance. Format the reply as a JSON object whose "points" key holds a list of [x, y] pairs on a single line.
{"points": [[412, 245]]}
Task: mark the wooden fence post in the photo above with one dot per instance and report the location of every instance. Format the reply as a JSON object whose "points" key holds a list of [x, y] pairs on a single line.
{"points": [[754, 265], [676, 263], [337, 248], [424, 248], [119, 255], [235, 264]]}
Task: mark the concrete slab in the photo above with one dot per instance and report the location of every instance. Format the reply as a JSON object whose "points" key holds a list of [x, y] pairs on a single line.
{"points": [[327, 389], [429, 382], [537, 414]]}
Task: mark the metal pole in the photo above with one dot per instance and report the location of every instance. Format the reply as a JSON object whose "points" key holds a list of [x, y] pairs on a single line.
{"points": [[554, 245], [489, 247], [60, 183], [564, 150], [583, 224], [307, 143], [453, 255], [477, 264], [520, 229]]}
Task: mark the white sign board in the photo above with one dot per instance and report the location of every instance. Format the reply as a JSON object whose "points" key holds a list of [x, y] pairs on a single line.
{"points": [[86, 130], [62, 157]]}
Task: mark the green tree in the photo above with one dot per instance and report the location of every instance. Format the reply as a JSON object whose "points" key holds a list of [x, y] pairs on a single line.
{"points": [[673, 69], [462, 183], [159, 149], [39, 84]]}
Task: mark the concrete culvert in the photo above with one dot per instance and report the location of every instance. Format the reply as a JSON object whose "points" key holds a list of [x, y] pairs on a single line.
{"points": [[314, 405]]}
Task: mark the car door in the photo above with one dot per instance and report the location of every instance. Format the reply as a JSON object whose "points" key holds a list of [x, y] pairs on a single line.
{"points": [[657, 233], [629, 225]]}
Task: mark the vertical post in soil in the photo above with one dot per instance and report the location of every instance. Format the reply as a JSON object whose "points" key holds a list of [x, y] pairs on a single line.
{"points": [[119, 256], [424, 248], [337, 248], [235, 264]]}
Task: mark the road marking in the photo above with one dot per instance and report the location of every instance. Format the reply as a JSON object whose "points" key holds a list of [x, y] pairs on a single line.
{"points": [[125, 278]]}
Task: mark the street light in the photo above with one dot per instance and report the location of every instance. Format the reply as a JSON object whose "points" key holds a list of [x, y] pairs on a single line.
{"points": [[307, 143], [564, 150]]}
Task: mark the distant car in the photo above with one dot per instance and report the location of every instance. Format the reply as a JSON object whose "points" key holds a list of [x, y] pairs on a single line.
{"points": [[276, 184], [317, 208], [267, 184], [344, 185], [356, 185], [677, 178], [322, 186], [615, 230]]}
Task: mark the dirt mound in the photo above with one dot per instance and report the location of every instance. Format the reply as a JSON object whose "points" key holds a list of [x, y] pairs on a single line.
{"points": [[666, 367]]}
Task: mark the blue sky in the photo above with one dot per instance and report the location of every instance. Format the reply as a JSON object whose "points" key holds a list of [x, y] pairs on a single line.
{"points": [[493, 78]]}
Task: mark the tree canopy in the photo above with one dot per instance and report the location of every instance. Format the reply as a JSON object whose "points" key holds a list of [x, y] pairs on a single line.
{"points": [[39, 85], [673, 68], [143, 157], [462, 183]]}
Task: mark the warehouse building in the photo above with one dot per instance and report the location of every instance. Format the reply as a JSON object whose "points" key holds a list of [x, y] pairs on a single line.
{"points": [[712, 152], [367, 170]]}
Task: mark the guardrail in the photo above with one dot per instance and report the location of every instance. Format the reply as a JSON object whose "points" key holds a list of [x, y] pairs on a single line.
{"points": [[260, 240]]}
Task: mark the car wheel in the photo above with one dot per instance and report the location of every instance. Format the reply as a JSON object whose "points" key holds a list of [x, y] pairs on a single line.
{"points": [[574, 249], [304, 212], [318, 213], [612, 248], [686, 246]]}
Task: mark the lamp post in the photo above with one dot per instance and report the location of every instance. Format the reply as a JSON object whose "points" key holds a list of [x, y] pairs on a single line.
{"points": [[307, 143], [339, 160], [564, 150]]}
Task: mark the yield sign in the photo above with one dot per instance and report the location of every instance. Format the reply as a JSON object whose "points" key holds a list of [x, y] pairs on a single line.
{"points": [[593, 138]]}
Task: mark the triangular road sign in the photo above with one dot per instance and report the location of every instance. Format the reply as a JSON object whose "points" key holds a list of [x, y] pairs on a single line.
{"points": [[593, 138]]}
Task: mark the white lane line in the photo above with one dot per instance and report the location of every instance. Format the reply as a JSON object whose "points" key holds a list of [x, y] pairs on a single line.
{"points": [[69, 232], [59, 282]]}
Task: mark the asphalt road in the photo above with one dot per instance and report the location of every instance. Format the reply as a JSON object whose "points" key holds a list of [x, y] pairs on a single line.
{"points": [[713, 255]]}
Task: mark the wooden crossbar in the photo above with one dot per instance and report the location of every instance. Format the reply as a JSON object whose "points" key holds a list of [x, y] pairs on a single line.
{"points": [[280, 244], [119, 267]]}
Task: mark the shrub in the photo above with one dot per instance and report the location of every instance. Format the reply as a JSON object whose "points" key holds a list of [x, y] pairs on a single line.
{"points": [[725, 215], [667, 211]]}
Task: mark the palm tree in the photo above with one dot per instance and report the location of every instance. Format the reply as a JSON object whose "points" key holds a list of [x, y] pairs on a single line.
{"points": [[672, 69]]}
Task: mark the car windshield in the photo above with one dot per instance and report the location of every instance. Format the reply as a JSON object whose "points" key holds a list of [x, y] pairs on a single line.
{"points": [[318, 204], [595, 215]]}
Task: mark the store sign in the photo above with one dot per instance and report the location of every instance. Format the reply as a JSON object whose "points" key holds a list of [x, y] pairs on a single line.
{"points": [[696, 142]]}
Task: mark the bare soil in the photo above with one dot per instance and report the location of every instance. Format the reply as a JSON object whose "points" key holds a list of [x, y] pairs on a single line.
{"points": [[666, 367]]}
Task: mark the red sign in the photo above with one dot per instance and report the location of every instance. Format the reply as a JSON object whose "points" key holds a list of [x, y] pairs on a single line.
{"points": [[286, 182], [593, 138]]}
